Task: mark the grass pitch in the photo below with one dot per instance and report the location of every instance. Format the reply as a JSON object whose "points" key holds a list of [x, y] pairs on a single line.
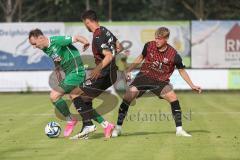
{"points": [[149, 133]]}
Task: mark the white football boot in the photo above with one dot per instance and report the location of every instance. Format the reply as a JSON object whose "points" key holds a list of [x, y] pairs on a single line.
{"points": [[117, 131], [182, 133], [84, 133]]}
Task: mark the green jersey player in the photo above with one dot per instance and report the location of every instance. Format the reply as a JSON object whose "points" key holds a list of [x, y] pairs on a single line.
{"points": [[66, 57]]}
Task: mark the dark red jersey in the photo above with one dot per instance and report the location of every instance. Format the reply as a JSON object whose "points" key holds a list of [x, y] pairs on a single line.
{"points": [[103, 39], [160, 65]]}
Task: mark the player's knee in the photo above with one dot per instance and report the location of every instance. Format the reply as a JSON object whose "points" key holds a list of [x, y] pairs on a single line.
{"points": [[171, 96], [54, 96], [127, 97], [73, 96], [131, 94], [133, 89]]}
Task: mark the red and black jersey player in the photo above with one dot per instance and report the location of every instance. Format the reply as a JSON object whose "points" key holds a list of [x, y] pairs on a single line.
{"points": [[104, 47], [159, 61]]}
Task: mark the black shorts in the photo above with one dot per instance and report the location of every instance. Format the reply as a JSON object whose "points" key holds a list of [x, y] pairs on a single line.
{"points": [[144, 83], [93, 88]]}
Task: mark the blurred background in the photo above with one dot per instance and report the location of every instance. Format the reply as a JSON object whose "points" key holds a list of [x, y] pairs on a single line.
{"points": [[205, 33]]}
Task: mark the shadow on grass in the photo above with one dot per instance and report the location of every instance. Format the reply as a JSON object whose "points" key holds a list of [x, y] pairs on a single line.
{"points": [[127, 134], [199, 131]]}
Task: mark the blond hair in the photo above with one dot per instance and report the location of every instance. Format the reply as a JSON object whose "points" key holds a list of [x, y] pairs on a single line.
{"points": [[162, 32]]}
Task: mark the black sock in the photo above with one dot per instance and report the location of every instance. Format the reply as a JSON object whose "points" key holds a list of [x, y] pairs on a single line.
{"points": [[84, 110], [177, 113], [122, 112], [94, 113]]}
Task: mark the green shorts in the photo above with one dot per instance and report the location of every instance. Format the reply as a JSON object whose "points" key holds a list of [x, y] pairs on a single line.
{"points": [[71, 81]]}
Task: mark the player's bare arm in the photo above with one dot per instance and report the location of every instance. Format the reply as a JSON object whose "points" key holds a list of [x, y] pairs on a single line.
{"points": [[186, 77], [119, 47], [135, 63], [81, 39], [107, 59]]}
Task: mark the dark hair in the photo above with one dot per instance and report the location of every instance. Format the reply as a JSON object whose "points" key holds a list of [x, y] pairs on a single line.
{"points": [[35, 33], [90, 14]]}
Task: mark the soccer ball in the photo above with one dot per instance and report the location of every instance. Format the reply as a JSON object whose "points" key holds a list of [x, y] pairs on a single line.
{"points": [[52, 129]]}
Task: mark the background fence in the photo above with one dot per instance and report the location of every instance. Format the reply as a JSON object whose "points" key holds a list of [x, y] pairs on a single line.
{"points": [[210, 50]]}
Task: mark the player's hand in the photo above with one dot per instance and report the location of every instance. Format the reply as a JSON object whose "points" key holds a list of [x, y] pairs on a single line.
{"points": [[85, 47], [197, 89], [96, 72], [128, 76]]}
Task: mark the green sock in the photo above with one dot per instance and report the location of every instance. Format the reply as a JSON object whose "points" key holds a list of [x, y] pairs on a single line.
{"points": [[97, 117], [62, 107]]}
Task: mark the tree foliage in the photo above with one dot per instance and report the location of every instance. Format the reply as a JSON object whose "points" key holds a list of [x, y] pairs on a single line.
{"points": [[120, 10]]}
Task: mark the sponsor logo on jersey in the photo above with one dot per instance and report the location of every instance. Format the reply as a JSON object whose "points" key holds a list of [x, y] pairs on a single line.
{"points": [[108, 33], [56, 58], [104, 46], [165, 60]]}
